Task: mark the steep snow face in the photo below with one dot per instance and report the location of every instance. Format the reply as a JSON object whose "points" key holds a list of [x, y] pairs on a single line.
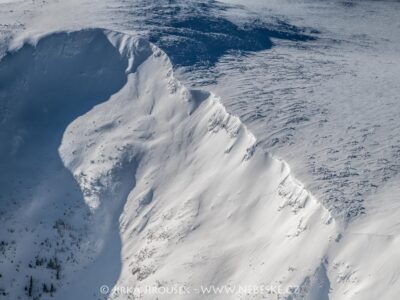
{"points": [[329, 107], [172, 188], [43, 88], [292, 95], [119, 175], [207, 207]]}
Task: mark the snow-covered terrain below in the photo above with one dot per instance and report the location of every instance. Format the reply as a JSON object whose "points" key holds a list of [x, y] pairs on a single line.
{"points": [[115, 173]]}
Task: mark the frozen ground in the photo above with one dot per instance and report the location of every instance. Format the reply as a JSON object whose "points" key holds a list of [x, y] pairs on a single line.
{"points": [[317, 85]]}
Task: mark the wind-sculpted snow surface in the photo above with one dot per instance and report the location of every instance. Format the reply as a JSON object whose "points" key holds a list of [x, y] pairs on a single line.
{"points": [[172, 189], [207, 207], [121, 176]]}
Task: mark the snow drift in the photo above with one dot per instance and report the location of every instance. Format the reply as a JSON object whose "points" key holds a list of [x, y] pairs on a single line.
{"points": [[172, 189]]}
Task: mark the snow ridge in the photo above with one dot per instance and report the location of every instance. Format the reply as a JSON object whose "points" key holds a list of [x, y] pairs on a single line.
{"points": [[175, 189], [203, 194]]}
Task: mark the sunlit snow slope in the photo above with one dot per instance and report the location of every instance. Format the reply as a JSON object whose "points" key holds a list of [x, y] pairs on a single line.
{"points": [[114, 173], [172, 189]]}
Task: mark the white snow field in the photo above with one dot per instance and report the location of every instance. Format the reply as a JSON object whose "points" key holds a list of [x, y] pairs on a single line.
{"points": [[125, 172], [175, 190]]}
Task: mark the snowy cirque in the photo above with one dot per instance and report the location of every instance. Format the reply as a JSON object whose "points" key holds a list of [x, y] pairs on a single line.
{"points": [[125, 174]]}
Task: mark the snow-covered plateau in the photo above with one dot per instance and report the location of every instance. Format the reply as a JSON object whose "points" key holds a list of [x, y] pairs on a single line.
{"points": [[199, 150]]}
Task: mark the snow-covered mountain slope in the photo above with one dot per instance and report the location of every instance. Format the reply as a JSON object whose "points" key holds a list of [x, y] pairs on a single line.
{"points": [[155, 186], [205, 206], [113, 173], [330, 107], [172, 189], [42, 89], [326, 56]]}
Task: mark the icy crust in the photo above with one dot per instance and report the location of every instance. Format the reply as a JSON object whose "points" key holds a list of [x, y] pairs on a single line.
{"points": [[196, 202]]}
